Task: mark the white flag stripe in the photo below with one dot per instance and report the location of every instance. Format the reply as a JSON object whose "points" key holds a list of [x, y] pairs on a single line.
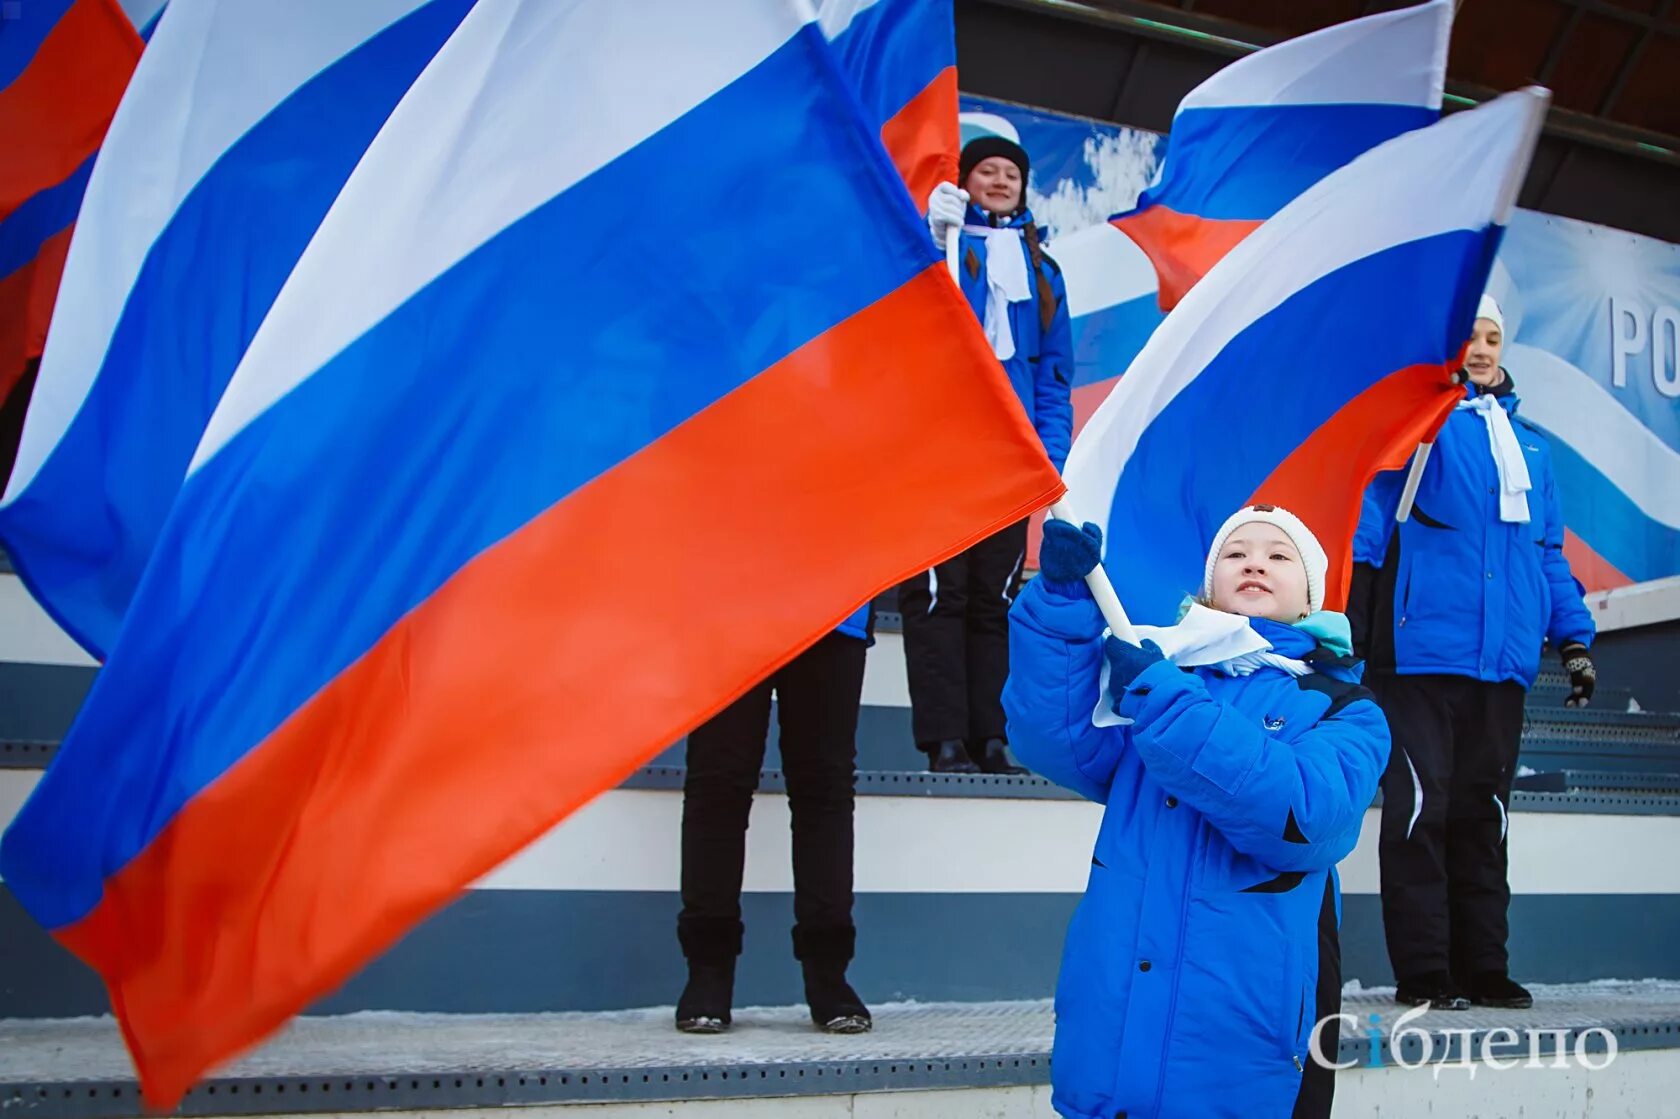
{"points": [[834, 16], [436, 166], [1394, 58]]}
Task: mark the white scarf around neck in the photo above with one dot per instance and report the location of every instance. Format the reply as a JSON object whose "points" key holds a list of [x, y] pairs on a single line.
{"points": [[1006, 283], [1514, 482], [1225, 642]]}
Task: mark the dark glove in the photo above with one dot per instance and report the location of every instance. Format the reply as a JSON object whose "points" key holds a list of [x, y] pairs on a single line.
{"points": [[1068, 554], [1583, 677], [1126, 662]]}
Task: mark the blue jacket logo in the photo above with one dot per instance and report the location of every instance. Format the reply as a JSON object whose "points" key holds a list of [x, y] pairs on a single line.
{"points": [[1274, 723]]}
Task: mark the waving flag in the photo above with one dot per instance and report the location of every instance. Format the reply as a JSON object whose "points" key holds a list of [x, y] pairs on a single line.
{"points": [[466, 525], [1267, 127], [63, 66], [1318, 352], [241, 124], [901, 56]]}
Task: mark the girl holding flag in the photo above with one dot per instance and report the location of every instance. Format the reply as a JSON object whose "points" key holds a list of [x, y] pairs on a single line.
{"points": [[1201, 974], [956, 633]]}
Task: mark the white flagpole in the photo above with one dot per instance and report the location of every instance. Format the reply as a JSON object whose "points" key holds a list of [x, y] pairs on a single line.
{"points": [[1414, 476], [1101, 589]]}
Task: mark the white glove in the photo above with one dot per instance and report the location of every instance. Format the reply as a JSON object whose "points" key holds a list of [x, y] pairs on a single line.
{"points": [[947, 206]]}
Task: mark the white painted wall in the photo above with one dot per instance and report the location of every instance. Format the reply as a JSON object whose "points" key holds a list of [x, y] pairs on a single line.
{"points": [[627, 839]]}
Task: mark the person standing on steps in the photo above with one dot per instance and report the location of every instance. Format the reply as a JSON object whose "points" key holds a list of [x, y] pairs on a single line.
{"points": [[1452, 608], [956, 631], [817, 697]]}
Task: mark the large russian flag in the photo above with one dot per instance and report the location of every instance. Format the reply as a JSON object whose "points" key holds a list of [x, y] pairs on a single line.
{"points": [[1318, 352], [241, 124], [902, 58], [468, 524], [63, 66], [1268, 126]]}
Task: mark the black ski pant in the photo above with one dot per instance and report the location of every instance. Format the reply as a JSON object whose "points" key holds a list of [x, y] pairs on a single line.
{"points": [[1442, 848], [817, 696], [956, 640]]}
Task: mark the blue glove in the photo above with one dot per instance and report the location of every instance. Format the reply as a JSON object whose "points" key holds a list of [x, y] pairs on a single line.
{"points": [[1067, 554], [1126, 662]]}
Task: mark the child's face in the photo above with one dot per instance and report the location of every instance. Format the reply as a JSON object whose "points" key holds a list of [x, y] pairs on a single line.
{"points": [[1259, 574], [1481, 360], [995, 185]]}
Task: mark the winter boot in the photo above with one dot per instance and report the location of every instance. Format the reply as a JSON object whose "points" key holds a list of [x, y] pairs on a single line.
{"points": [[1437, 989], [711, 946], [996, 758], [1495, 988], [823, 953], [951, 756]]}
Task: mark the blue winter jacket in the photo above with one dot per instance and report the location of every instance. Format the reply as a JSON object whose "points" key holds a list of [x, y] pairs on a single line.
{"points": [[1189, 981], [1456, 590], [1041, 369]]}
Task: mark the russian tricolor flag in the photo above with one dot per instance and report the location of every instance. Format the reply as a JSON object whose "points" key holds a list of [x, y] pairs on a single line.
{"points": [[1318, 352], [240, 126], [468, 525], [63, 66], [902, 58], [1265, 128]]}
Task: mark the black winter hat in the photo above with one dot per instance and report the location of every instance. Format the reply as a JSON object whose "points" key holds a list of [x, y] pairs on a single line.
{"points": [[984, 147]]}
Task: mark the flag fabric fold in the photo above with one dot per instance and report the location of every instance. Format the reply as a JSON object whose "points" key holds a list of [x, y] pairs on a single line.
{"points": [[466, 526], [1268, 126], [240, 125], [1318, 352], [901, 56], [63, 67]]}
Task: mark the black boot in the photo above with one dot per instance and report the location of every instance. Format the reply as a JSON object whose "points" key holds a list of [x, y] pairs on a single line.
{"points": [[823, 953], [1437, 989], [951, 756], [996, 758], [711, 946], [1496, 988]]}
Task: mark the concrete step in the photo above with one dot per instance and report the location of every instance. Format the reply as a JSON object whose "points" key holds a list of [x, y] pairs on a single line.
{"points": [[77, 1069]]}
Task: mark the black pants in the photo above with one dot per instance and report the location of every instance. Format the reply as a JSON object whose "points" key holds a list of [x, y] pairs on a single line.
{"points": [[956, 640], [1318, 1081], [1445, 894], [817, 696]]}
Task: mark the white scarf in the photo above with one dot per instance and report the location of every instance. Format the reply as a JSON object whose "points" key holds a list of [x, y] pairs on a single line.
{"points": [[1223, 641], [1514, 482], [1006, 283]]}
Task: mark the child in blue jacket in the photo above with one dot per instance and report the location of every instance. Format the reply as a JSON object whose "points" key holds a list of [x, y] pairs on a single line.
{"points": [[1205, 952]]}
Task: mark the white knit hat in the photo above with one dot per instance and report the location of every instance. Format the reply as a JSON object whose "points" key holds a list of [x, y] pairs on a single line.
{"points": [[1312, 552], [1489, 309]]}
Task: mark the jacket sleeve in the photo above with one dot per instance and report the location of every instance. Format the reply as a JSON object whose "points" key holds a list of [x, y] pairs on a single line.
{"points": [[1295, 806], [1570, 620], [1376, 517], [1055, 664], [1370, 550], [1053, 377]]}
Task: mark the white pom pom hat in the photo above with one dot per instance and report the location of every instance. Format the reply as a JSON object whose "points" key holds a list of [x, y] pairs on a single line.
{"points": [[1312, 552]]}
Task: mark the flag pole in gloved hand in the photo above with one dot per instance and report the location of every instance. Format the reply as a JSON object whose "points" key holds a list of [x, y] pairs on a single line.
{"points": [[1101, 589]]}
